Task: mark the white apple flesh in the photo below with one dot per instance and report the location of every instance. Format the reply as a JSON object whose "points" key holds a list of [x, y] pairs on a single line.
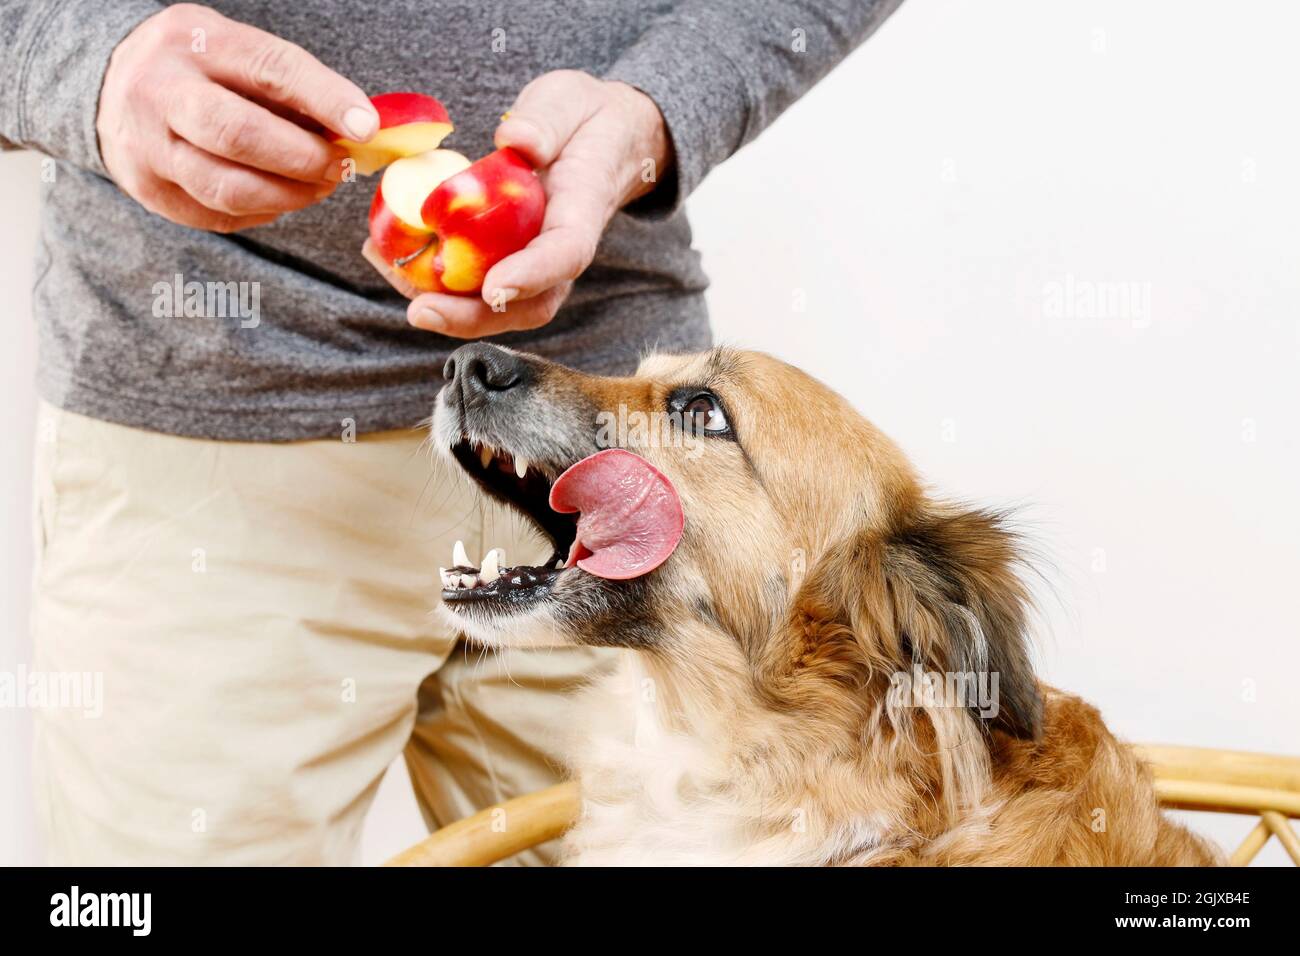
{"points": [[408, 182]]}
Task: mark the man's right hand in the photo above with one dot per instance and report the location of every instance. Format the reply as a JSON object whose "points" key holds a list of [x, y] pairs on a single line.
{"points": [[199, 121]]}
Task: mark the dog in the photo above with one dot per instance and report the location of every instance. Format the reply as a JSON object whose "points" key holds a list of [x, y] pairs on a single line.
{"points": [[813, 631]]}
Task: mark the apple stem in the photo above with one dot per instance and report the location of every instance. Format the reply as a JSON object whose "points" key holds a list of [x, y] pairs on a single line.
{"points": [[433, 241]]}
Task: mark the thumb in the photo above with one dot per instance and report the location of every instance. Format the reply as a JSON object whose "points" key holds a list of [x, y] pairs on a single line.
{"points": [[547, 113]]}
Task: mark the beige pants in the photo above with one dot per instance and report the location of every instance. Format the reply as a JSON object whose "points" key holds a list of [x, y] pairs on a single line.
{"points": [[262, 618]]}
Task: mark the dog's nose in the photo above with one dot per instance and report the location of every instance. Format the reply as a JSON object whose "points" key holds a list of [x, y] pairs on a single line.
{"points": [[484, 371]]}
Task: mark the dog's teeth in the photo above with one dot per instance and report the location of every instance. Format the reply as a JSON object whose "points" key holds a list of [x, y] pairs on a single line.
{"points": [[559, 564], [449, 580], [486, 454], [521, 466], [491, 569], [467, 580], [459, 559]]}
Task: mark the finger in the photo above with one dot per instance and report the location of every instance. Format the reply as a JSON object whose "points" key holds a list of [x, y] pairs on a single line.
{"points": [[576, 213], [382, 266], [226, 124], [235, 190], [556, 256], [462, 317], [266, 66], [171, 202], [547, 113]]}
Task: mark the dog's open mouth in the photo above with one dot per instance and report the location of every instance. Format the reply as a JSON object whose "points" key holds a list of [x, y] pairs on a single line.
{"points": [[526, 487], [612, 515]]}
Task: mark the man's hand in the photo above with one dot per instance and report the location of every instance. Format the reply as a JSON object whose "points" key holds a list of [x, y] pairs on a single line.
{"points": [[597, 146], [200, 121]]}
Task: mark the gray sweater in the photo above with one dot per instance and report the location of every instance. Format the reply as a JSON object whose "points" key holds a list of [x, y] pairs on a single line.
{"points": [[292, 333]]}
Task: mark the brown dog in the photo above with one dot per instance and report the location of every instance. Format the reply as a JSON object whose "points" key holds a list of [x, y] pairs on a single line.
{"points": [[832, 666]]}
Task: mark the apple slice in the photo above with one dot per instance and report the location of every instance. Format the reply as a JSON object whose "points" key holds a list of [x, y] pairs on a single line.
{"points": [[409, 124]]}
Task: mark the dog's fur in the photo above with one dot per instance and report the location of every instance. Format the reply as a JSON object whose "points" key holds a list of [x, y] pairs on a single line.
{"points": [[760, 719]]}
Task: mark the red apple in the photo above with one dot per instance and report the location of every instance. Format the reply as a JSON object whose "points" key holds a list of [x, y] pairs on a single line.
{"points": [[440, 223], [409, 123]]}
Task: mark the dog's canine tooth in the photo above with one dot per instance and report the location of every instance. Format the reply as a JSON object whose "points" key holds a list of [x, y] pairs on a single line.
{"points": [[559, 564], [485, 454], [467, 580], [491, 569], [459, 559], [521, 465]]}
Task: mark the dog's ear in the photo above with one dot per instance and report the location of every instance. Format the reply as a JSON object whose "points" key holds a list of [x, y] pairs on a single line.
{"points": [[939, 593], [963, 608]]}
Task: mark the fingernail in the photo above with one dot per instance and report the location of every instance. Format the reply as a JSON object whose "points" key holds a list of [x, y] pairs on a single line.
{"points": [[359, 123], [426, 317], [498, 298]]}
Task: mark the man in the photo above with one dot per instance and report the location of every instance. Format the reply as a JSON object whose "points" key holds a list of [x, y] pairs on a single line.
{"points": [[237, 526]]}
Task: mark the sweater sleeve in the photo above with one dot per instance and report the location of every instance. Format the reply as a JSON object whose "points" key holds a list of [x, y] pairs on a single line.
{"points": [[53, 55], [721, 71]]}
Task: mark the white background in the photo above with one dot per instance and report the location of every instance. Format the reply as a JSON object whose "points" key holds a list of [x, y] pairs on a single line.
{"points": [[905, 233]]}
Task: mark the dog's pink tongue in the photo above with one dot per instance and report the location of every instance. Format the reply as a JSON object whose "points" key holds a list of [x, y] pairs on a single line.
{"points": [[630, 517]]}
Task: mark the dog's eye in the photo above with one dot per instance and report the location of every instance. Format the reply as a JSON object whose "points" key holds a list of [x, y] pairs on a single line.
{"points": [[704, 414]]}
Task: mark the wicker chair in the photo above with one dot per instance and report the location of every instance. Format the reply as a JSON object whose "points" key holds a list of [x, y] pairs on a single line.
{"points": [[1187, 778]]}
